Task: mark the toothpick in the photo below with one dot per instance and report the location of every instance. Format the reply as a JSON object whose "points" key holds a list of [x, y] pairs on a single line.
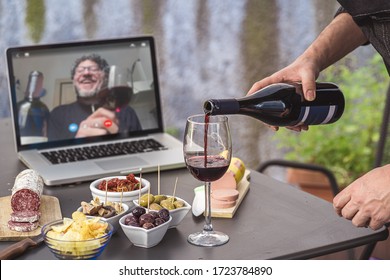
{"points": [[158, 179], [148, 200], [140, 186], [105, 199], [174, 189], [120, 205]]}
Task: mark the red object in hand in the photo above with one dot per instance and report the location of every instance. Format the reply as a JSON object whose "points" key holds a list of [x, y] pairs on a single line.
{"points": [[107, 123]]}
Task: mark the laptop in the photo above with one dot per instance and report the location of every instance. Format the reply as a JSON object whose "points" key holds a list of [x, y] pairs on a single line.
{"points": [[49, 141]]}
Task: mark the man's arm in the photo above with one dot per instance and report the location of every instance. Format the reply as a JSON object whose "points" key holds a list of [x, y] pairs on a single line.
{"points": [[338, 39]]}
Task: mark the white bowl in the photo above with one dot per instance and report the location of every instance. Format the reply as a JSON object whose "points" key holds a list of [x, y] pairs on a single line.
{"points": [[145, 238], [114, 220], [176, 214], [127, 198]]}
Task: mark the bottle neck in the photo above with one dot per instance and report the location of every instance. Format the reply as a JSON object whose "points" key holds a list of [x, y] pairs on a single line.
{"points": [[221, 106]]}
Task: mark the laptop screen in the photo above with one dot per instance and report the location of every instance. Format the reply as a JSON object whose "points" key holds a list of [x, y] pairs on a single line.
{"points": [[84, 92]]}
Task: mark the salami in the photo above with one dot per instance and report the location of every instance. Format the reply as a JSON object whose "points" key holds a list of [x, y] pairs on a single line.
{"points": [[25, 216], [28, 179], [20, 226], [26, 201]]}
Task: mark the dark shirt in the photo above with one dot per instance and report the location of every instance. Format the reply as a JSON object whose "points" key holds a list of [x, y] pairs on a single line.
{"points": [[373, 17], [65, 119]]}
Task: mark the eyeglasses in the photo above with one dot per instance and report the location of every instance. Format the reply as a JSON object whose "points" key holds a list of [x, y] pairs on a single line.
{"points": [[93, 69]]}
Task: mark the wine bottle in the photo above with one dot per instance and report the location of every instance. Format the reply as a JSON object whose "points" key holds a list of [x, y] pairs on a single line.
{"points": [[283, 104], [32, 112]]}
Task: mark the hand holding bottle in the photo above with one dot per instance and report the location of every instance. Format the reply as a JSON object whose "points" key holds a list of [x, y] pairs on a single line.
{"points": [[304, 71], [282, 104]]}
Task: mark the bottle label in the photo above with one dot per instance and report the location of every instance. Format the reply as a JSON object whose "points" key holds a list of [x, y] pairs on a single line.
{"points": [[317, 114]]}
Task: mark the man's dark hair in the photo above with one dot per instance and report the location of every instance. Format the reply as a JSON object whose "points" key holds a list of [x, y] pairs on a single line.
{"points": [[101, 62]]}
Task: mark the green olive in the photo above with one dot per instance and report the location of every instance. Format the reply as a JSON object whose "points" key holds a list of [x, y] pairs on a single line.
{"points": [[178, 204], [167, 204], [155, 206], [159, 197], [144, 200]]}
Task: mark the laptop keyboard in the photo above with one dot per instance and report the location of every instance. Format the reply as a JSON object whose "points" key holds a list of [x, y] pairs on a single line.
{"points": [[104, 150]]}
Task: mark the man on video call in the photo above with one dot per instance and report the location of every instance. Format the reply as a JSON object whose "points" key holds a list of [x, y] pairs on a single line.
{"points": [[87, 116]]}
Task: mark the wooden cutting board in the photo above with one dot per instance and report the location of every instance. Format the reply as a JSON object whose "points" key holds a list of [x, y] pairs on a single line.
{"points": [[243, 188], [50, 211]]}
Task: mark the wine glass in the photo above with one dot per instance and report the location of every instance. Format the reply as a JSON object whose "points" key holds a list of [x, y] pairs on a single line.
{"points": [[117, 92], [207, 153]]}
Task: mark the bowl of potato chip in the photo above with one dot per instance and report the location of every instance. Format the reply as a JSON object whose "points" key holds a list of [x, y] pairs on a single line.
{"points": [[119, 188], [79, 237]]}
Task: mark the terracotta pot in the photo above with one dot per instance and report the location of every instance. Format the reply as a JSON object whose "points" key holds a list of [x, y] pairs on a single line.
{"points": [[313, 182]]}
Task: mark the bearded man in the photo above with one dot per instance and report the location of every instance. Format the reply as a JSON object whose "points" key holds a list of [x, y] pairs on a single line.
{"points": [[88, 116]]}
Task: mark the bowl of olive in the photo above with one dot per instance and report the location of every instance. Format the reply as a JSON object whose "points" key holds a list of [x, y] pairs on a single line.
{"points": [[145, 228], [178, 207]]}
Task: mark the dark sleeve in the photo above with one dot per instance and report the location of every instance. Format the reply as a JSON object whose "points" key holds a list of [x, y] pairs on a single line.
{"points": [[340, 11]]}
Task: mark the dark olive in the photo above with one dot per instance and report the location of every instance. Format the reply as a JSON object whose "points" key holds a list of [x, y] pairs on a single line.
{"points": [[146, 218], [158, 221], [154, 214], [133, 224], [138, 211], [148, 225], [131, 219], [164, 214]]}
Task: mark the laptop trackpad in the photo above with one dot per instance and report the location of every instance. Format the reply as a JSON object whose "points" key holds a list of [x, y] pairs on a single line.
{"points": [[121, 163]]}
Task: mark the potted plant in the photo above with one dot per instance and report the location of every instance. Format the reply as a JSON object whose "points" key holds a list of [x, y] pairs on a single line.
{"points": [[346, 147]]}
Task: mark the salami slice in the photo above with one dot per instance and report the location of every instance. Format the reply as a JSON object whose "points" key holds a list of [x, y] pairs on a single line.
{"points": [[18, 226], [25, 216], [25, 200]]}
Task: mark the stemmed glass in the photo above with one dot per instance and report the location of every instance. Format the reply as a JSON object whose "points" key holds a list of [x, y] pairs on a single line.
{"points": [[207, 153]]}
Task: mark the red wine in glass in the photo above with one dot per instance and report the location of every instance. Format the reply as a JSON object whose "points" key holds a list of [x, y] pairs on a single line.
{"points": [[207, 168]]}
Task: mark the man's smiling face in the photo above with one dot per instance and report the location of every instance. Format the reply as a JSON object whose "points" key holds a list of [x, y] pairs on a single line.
{"points": [[88, 78]]}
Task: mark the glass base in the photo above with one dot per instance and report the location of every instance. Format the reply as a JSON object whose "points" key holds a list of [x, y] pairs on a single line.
{"points": [[208, 238]]}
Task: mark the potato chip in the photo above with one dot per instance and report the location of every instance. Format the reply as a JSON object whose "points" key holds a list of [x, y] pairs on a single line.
{"points": [[78, 216], [61, 228]]}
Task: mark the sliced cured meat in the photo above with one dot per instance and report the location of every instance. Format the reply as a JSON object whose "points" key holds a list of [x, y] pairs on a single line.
{"points": [[18, 226], [25, 200], [220, 204], [227, 181], [225, 194], [25, 216]]}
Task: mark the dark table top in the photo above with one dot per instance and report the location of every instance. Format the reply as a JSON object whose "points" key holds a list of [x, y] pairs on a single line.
{"points": [[274, 221]]}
